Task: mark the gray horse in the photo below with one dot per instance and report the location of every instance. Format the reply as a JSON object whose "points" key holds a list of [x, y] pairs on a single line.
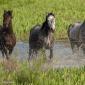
{"points": [[41, 36], [76, 34]]}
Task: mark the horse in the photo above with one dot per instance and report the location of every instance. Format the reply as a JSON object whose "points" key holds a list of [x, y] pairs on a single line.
{"points": [[41, 36], [76, 34], [7, 36]]}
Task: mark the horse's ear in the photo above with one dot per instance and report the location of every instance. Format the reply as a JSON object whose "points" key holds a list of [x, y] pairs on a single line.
{"points": [[10, 12], [52, 13]]}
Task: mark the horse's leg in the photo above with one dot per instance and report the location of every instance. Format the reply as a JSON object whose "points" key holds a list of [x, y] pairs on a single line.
{"points": [[2, 50], [78, 45], [6, 53], [72, 45], [51, 53], [83, 48], [10, 51], [36, 53], [2, 53], [30, 54], [44, 53], [84, 51]]}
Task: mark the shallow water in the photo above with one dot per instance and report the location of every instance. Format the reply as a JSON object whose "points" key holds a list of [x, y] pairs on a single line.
{"points": [[63, 56]]}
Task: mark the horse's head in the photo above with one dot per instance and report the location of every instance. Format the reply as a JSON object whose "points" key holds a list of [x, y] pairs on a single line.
{"points": [[50, 19], [7, 17]]}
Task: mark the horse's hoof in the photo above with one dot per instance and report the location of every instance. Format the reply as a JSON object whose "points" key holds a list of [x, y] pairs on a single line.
{"points": [[50, 57]]}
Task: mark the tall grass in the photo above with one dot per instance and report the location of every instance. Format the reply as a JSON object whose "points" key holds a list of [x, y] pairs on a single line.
{"points": [[27, 13], [24, 75]]}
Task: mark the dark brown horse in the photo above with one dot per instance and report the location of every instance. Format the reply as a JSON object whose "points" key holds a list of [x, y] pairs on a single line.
{"points": [[7, 36], [41, 36]]}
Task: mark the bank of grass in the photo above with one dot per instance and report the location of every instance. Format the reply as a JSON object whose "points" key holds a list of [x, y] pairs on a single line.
{"points": [[20, 73], [27, 13]]}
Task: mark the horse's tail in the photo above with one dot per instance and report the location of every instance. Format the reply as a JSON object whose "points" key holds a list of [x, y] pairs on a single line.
{"points": [[31, 31], [69, 28]]}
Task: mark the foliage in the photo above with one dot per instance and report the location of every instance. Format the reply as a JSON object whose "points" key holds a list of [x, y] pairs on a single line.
{"points": [[25, 75], [27, 13]]}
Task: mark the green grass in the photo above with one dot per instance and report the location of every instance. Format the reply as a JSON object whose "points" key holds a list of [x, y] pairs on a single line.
{"points": [[22, 74], [27, 13]]}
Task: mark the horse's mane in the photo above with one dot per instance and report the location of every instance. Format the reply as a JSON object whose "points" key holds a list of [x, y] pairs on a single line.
{"points": [[45, 27]]}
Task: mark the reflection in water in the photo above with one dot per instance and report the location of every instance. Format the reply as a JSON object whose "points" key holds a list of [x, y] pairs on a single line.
{"points": [[62, 55], [21, 51]]}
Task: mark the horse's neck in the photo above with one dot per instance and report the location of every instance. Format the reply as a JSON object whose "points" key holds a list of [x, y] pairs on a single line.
{"points": [[8, 29], [45, 29]]}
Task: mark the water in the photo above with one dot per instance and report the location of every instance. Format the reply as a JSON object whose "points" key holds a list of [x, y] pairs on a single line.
{"points": [[63, 56]]}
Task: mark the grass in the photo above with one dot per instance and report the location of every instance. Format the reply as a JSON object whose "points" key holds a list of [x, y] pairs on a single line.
{"points": [[22, 74], [28, 13]]}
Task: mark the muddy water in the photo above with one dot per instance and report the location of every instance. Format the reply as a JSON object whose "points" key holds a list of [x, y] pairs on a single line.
{"points": [[63, 56]]}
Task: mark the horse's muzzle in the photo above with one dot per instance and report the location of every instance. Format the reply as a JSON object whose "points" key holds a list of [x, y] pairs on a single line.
{"points": [[52, 30]]}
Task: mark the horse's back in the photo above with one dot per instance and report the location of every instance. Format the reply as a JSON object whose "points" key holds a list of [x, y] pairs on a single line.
{"points": [[34, 32], [35, 29], [34, 37], [74, 31], [82, 32]]}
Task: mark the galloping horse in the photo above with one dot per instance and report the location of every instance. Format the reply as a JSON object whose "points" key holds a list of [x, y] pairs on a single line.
{"points": [[41, 36], [7, 36], [76, 34]]}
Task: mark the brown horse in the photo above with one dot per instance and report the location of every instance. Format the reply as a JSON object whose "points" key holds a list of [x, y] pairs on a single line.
{"points": [[7, 36]]}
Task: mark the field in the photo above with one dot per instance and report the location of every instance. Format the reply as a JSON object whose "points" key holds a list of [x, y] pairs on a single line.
{"points": [[27, 13], [16, 73]]}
